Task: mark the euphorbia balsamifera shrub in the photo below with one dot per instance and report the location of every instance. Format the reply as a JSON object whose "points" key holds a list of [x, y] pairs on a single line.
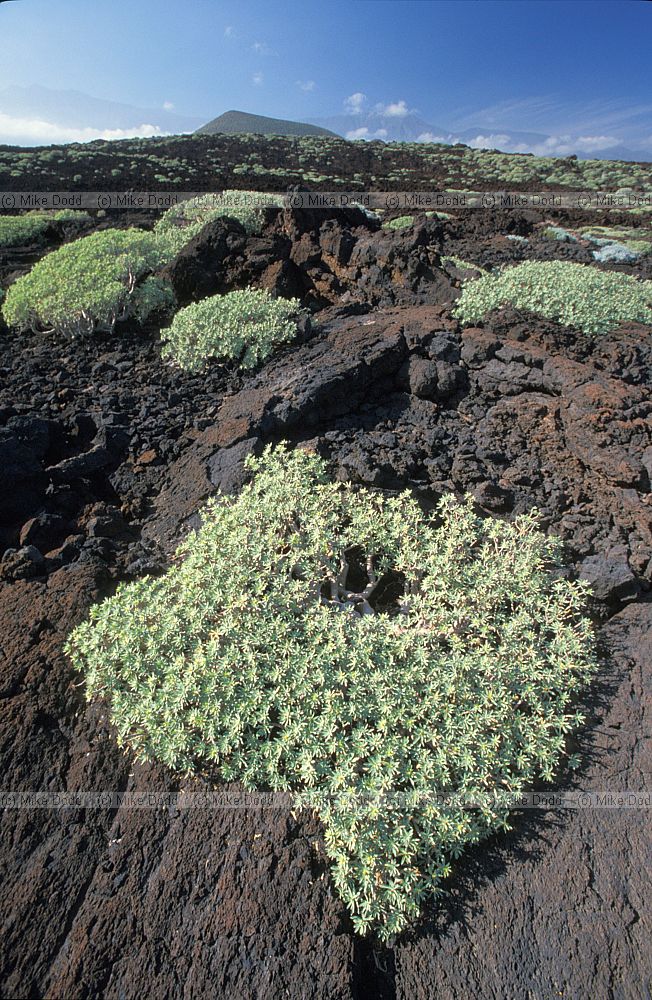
{"points": [[181, 222], [18, 230], [573, 294], [243, 327], [401, 222], [85, 286], [391, 670]]}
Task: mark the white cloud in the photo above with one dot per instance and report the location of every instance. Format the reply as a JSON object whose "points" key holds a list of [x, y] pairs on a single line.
{"points": [[228, 31], [306, 85], [37, 132], [257, 79], [396, 110], [590, 142], [597, 124], [263, 49], [431, 137], [168, 106], [365, 133], [355, 103], [552, 145], [493, 141]]}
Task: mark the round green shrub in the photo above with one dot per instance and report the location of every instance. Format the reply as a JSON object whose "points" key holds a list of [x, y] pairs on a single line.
{"points": [[404, 675], [242, 327], [573, 294], [17, 230], [84, 286], [559, 233], [401, 222]]}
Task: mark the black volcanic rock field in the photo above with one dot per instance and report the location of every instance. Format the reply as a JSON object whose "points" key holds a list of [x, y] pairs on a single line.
{"points": [[107, 453]]}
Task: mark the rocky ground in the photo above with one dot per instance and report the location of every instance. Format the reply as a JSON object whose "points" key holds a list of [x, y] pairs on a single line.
{"points": [[107, 454]]}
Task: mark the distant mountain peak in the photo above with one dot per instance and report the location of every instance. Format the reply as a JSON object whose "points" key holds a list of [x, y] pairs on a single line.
{"points": [[242, 122]]}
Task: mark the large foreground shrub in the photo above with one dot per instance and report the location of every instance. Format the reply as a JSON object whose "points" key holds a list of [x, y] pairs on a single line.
{"points": [[372, 661], [242, 327], [88, 284], [181, 222], [574, 294]]}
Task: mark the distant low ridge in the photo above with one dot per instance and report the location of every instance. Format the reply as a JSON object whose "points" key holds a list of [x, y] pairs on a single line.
{"points": [[241, 123]]}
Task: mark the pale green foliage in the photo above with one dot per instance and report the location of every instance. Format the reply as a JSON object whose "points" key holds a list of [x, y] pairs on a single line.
{"points": [[17, 230], [615, 253], [72, 215], [153, 297], [399, 223], [559, 233], [273, 653], [462, 265], [242, 327], [637, 240], [85, 285], [181, 222], [574, 294]]}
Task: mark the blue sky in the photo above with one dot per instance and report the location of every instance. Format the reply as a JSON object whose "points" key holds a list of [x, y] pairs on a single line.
{"points": [[579, 68]]}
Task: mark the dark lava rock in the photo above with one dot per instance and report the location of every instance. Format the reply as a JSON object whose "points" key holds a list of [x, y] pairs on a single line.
{"points": [[610, 575], [199, 268], [296, 222], [109, 524], [420, 376], [282, 279], [22, 564], [33, 432], [44, 531], [493, 497], [226, 469], [81, 466]]}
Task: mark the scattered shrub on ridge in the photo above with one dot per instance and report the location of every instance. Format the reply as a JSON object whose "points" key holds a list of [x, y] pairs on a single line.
{"points": [[559, 234], [242, 327], [404, 675], [615, 253], [399, 223], [573, 294]]}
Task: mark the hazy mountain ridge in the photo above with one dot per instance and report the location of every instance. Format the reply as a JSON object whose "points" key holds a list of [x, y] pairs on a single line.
{"points": [[75, 109]]}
